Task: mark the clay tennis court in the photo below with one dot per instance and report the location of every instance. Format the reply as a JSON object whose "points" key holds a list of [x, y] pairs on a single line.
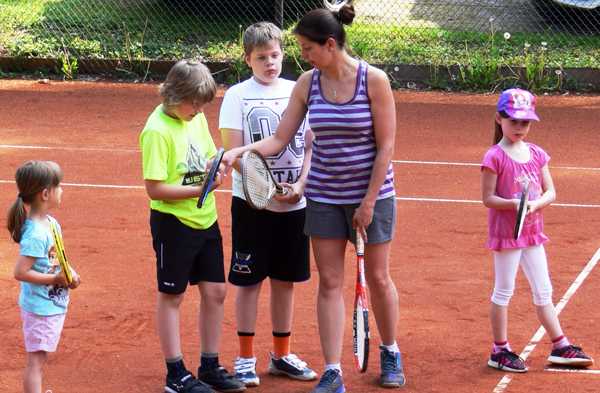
{"points": [[439, 263]]}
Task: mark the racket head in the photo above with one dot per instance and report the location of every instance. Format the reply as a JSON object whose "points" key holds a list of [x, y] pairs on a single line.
{"points": [[257, 180], [360, 318], [521, 212], [65, 267], [210, 178]]}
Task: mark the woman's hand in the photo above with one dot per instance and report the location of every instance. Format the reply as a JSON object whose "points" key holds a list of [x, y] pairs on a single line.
{"points": [[363, 216], [229, 159]]}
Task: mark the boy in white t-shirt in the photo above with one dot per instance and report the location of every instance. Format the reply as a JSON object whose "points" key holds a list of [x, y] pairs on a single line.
{"points": [[267, 243]]}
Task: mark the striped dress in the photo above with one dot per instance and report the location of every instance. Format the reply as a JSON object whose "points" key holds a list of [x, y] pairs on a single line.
{"points": [[344, 147]]}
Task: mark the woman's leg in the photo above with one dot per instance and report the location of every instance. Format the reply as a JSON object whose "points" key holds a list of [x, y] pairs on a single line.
{"points": [[384, 297], [329, 257]]}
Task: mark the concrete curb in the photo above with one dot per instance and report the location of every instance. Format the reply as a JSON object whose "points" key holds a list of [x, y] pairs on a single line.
{"points": [[402, 75]]}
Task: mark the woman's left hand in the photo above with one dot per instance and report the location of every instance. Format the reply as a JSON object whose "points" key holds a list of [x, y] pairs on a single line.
{"points": [[363, 216]]}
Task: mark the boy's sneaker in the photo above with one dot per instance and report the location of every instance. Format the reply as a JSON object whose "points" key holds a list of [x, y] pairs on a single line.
{"points": [[570, 355], [186, 384], [331, 382], [392, 375], [245, 371], [291, 366], [506, 360], [219, 379]]}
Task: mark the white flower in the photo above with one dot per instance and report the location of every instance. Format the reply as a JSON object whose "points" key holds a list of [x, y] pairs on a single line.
{"points": [[507, 35], [558, 72], [396, 68], [544, 43], [527, 45], [491, 19]]}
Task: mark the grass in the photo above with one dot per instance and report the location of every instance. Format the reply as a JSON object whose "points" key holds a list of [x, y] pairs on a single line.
{"points": [[130, 32]]}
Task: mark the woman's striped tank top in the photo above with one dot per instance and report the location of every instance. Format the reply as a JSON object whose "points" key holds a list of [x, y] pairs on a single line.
{"points": [[344, 146]]}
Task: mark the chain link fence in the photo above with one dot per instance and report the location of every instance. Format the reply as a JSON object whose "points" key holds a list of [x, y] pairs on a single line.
{"points": [[133, 36]]}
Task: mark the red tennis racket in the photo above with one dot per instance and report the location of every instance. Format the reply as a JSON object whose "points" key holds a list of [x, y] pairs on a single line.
{"points": [[360, 320]]}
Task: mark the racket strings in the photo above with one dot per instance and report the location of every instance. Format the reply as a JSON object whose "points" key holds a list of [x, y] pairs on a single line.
{"points": [[258, 181]]}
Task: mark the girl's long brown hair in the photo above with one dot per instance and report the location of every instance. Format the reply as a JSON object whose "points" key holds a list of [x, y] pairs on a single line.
{"points": [[498, 128], [32, 178]]}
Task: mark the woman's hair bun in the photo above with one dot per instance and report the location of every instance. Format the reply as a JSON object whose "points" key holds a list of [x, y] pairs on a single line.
{"points": [[346, 14]]}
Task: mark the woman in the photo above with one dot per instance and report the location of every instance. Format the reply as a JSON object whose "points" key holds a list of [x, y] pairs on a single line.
{"points": [[350, 187]]}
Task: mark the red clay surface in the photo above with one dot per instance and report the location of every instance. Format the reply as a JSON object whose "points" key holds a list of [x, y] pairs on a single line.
{"points": [[439, 263]]}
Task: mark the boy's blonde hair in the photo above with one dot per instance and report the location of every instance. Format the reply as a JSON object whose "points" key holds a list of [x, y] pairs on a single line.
{"points": [[188, 80], [260, 34]]}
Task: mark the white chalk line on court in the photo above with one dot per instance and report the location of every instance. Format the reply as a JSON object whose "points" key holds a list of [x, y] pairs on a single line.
{"points": [[451, 163], [70, 148], [409, 162], [505, 381], [410, 199], [572, 370]]}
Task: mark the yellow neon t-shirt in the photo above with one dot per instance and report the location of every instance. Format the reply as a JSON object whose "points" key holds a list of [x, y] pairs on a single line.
{"points": [[176, 152]]}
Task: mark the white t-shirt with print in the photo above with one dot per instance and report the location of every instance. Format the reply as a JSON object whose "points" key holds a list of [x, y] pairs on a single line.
{"points": [[256, 110]]}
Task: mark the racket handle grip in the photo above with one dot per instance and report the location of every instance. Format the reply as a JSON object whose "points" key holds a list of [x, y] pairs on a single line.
{"points": [[280, 190], [360, 244]]}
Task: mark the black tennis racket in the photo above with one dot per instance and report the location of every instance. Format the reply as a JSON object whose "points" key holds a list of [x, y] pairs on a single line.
{"points": [[258, 181], [360, 320], [210, 178], [521, 211]]}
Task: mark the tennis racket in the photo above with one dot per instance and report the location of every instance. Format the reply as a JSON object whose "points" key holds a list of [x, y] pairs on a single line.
{"points": [[65, 267], [210, 178], [360, 320], [258, 181], [521, 211]]}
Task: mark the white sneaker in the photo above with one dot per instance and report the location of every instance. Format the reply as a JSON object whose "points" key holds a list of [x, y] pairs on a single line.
{"points": [[291, 366], [245, 370]]}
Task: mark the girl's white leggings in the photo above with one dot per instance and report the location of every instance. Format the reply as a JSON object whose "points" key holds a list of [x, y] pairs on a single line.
{"points": [[534, 263]]}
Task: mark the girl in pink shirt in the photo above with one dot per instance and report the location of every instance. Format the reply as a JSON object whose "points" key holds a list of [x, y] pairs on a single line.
{"points": [[507, 166]]}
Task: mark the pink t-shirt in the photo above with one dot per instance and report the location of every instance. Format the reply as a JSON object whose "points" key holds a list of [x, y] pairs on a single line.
{"points": [[511, 175]]}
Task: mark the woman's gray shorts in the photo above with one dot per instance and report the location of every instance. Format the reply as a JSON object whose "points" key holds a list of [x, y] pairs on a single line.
{"points": [[335, 221]]}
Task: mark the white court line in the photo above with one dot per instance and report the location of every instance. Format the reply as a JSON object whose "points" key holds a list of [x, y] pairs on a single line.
{"points": [[451, 163], [572, 370], [68, 148], [503, 384], [410, 199], [409, 162]]}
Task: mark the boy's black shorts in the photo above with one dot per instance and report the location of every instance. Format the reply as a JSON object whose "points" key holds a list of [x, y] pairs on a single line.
{"points": [[184, 254], [267, 244]]}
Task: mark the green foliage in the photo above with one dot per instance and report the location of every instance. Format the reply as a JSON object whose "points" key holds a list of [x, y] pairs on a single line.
{"points": [[68, 64], [114, 30]]}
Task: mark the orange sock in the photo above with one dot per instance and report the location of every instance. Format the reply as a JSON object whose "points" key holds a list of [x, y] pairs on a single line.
{"points": [[246, 344], [281, 344]]}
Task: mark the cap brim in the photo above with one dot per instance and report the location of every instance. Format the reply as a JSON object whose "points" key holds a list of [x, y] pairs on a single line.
{"points": [[523, 115]]}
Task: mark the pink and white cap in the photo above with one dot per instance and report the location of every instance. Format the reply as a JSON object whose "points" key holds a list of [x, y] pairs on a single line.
{"points": [[518, 104]]}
